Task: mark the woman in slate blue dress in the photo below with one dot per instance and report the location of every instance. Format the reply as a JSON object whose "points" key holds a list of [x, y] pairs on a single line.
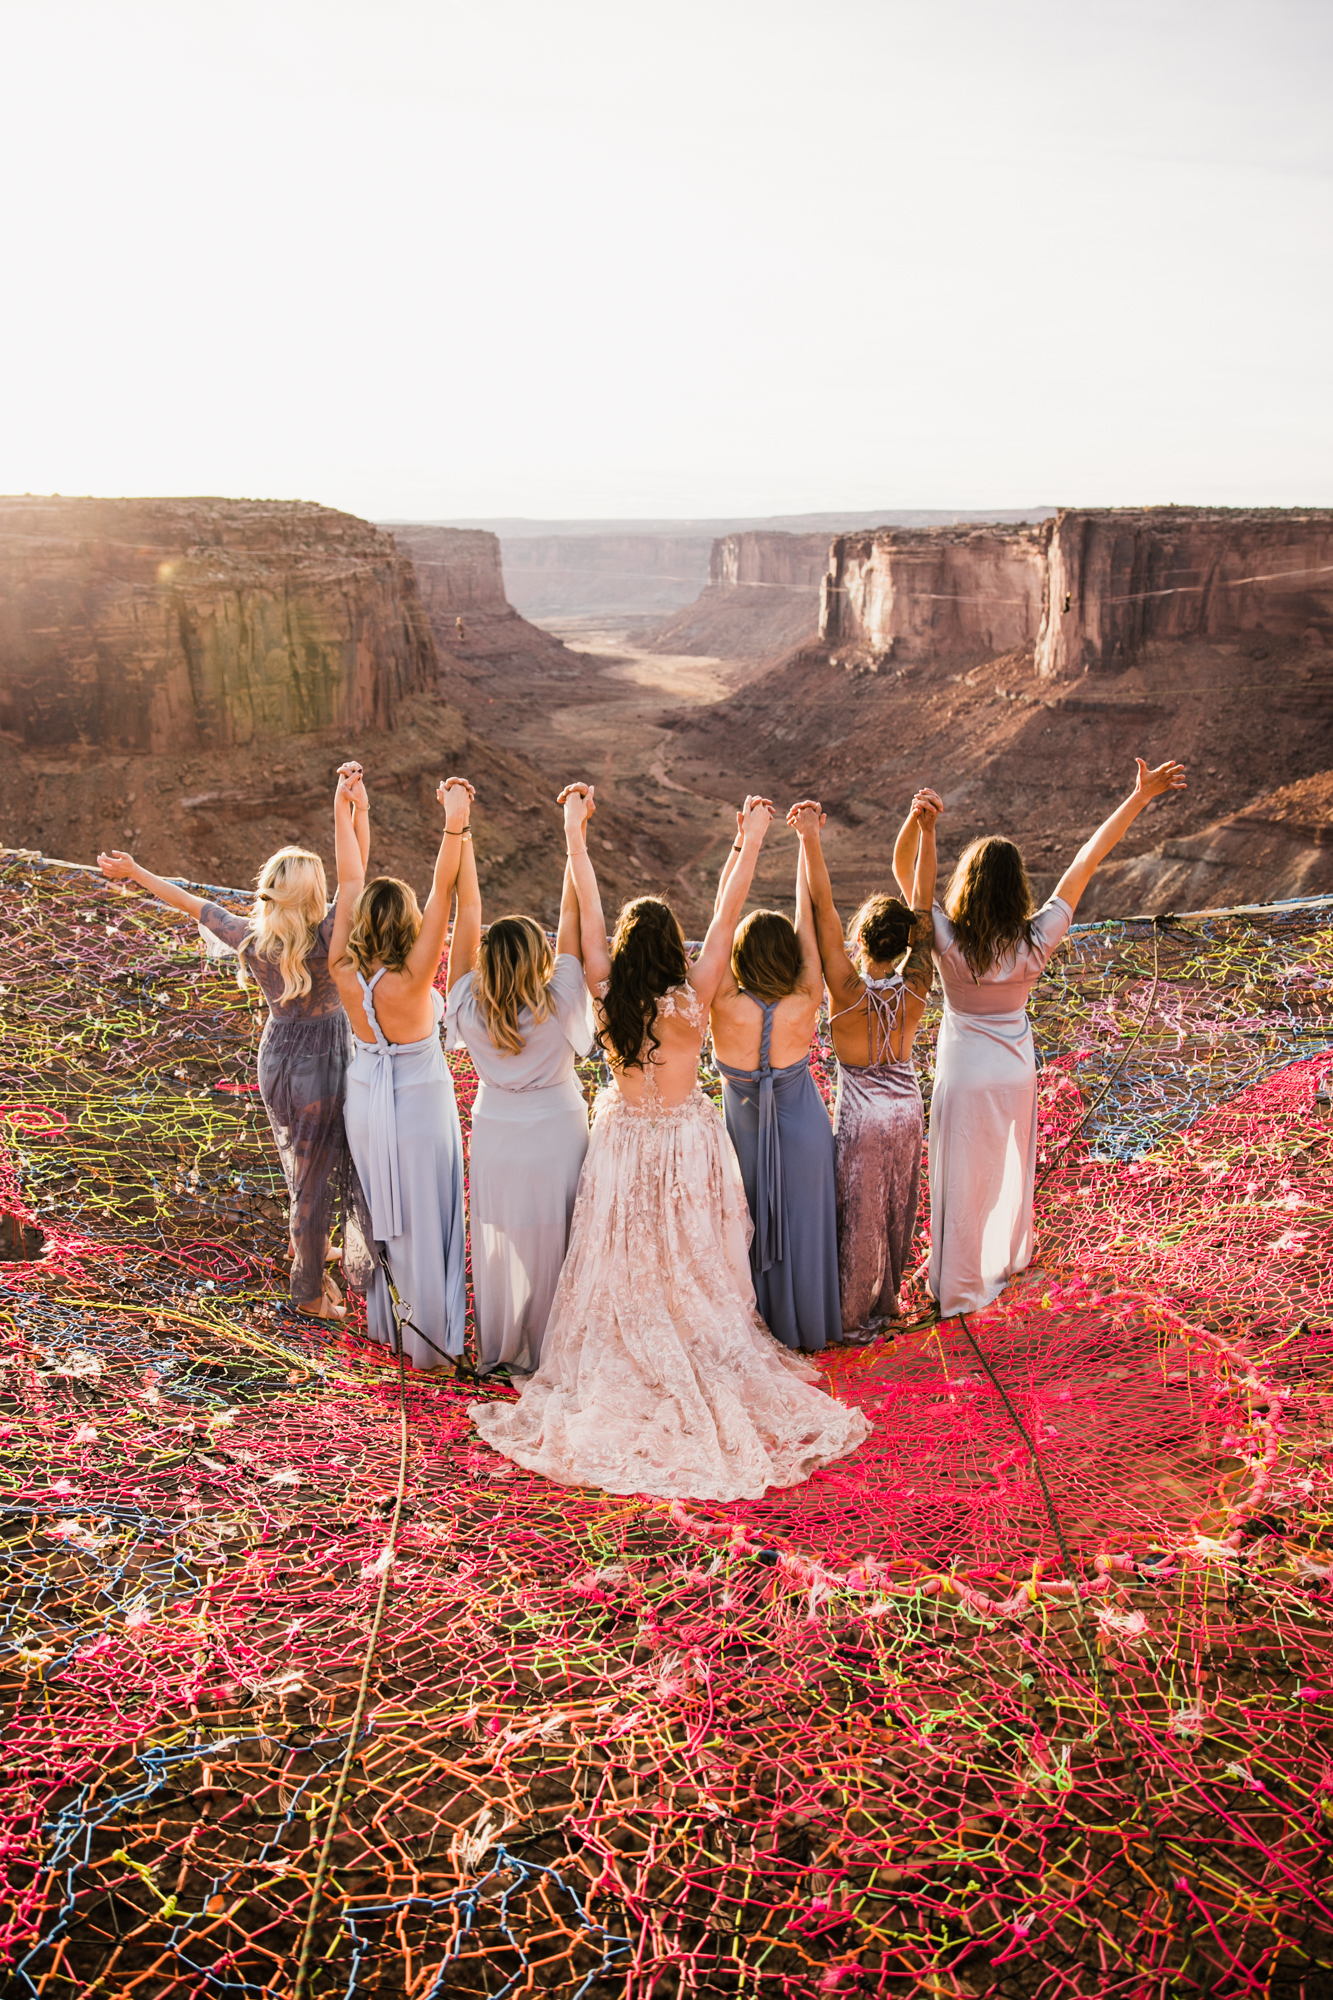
{"points": [[401, 1117], [763, 1020]]}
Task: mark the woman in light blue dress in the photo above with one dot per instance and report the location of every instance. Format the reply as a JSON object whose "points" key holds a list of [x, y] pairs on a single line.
{"points": [[763, 1019], [401, 1117], [523, 1014]]}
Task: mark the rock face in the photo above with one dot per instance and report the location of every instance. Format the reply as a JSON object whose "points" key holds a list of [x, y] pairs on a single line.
{"points": [[1118, 579], [1088, 591], [458, 570], [958, 593], [762, 598], [177, 625]]}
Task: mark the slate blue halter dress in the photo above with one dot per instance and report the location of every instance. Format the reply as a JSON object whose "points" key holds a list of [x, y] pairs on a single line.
{"points": [[778, 1124]]}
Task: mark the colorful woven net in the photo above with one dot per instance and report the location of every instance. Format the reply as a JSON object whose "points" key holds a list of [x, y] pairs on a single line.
{"points": [[1030, 1697]]}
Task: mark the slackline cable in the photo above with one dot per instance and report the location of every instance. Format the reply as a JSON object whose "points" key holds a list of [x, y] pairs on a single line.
{"points": [[300, 1986]]}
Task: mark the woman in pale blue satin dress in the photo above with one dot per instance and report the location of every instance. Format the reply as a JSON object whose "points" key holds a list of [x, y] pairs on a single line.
{"points": [[523, 1013], [400, 1112], [763, 1020], [875, 1007]]}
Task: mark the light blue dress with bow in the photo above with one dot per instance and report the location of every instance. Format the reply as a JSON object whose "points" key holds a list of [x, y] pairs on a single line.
{"points": [[407, 1145]]}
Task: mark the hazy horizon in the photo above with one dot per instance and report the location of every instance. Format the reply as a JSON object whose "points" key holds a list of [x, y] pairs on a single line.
{"points": [[433, 262]]}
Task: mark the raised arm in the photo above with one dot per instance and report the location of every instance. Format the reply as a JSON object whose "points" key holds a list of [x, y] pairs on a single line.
{"points": [[907, 846], [812, 970], [569, 936], [361, 808], [706, 974], [120, 867], [456, 796], [350, 863], [580, 805], [465, 938], [919, 966], [840, 974], [1148, 785]]}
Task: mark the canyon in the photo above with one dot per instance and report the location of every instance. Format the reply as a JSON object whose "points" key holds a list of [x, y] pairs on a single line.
{"points": [[1018, 666]]}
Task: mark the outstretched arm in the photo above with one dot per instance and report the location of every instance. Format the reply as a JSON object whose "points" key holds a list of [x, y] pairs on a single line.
{"points": [[580, 805], [465, 938], [706, 974], [1148, 785], [812, 971], [840, 975], [456, 796], [120, 867]]}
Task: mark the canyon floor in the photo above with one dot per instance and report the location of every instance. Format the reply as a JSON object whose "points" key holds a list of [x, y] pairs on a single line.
{"points": [[674, 740]]}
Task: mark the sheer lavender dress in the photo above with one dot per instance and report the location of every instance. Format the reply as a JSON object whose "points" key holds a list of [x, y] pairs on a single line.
{"points": [[983, 1116], [656, 1374], [303, 1056], [878, 1128], [525, 1154], [778, 1124], [406, 1141]]}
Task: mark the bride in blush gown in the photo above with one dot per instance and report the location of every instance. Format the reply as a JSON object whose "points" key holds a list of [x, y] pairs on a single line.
{"points": [[657, 1376]]}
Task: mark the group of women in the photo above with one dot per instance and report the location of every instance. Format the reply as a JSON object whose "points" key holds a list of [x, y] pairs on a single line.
{"points": [[656, 1283]]}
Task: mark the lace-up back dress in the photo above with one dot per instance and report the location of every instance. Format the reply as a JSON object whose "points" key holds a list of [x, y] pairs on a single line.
{"points": [[404, 1134], [878, 1129], [657, 1375], [983, 1116], [303, 1056], [777, 1122]]}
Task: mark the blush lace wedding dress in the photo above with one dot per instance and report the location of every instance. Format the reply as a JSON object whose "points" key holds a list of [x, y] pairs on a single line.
{"points": [[657, 1375]]}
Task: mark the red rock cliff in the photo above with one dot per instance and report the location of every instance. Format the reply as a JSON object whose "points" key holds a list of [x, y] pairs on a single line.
{"points": [[174, 625], [1119, 578], [769, 561], [458, 570], [909, 594]]}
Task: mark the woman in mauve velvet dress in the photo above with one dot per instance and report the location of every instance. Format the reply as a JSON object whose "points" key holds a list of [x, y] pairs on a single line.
{"points": [[876, 1000]]}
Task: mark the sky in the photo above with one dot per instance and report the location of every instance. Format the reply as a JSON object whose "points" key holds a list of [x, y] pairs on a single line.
{"points": [[433, 259]]}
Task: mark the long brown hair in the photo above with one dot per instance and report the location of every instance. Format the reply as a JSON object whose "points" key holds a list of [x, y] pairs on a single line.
{"points": [[386, 918], [648, 958], [513, 971], [766, 955], [881, 928], [989, 902]]}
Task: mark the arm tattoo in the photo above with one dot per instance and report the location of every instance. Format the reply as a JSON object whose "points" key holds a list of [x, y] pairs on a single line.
{"points": [[919, 969]]}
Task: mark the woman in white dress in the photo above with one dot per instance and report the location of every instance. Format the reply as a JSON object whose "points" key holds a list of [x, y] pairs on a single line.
{"points": [[990, 950], [400, 1113], [523, 1015], [657, 1375]]}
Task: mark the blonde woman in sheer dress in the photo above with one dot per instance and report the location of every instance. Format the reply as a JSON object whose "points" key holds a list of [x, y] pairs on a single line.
{"points": [[283, 945], [657, 1375]]}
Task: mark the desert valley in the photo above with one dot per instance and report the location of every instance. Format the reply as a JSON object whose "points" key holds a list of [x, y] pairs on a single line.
{"points": [[181, 677]]}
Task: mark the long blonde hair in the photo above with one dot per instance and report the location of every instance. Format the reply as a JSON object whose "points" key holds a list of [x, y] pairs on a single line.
{"points": [[513, 971], [291, 900]]}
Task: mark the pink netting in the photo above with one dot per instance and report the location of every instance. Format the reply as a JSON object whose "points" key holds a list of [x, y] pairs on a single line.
{"points": [[847, 1739]]}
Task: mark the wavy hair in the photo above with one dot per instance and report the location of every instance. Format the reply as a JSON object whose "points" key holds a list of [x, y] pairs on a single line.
{"points": [[291, 900], [881, 929], [648, 958], [989, 902], [766, 955], [385, 920], [513, 971]]}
